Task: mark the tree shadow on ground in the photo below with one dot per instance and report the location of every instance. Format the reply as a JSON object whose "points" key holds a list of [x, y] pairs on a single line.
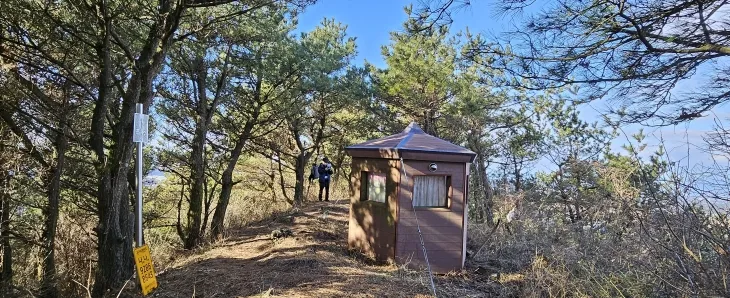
{"points": [[314, 262]]}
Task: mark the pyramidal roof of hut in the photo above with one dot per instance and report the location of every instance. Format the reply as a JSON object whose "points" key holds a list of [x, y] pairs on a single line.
{"points": [[413, 138]]}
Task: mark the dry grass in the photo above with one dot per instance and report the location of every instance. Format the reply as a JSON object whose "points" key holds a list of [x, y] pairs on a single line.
{"points": [[314, 262], [534, 259]]}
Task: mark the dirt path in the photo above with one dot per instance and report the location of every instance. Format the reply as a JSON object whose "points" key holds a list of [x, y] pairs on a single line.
{"points": [[314, 262]]}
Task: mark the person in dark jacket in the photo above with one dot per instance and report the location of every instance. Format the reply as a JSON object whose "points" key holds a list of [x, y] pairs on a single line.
{"points": [[325, 173]]}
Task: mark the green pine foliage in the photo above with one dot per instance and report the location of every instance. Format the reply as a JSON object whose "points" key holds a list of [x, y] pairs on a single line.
{"points": [[242, 107]]}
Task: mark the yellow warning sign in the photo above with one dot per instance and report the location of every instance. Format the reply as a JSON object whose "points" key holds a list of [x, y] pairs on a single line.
{"points": [[145, 271]]}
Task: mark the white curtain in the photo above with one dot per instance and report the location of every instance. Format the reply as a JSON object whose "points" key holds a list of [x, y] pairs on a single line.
{"points": [[430, 191]]}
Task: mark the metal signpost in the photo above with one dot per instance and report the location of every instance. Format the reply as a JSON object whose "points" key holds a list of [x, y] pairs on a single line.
{"points": [[140, 137], [142, 258]]}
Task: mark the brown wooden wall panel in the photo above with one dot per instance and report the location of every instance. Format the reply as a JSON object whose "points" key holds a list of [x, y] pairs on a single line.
{"points": [[456, 204], [442, 226], [437, 224], [441, 262], [455, 170], [432, 253], [433, 257], [465, 220], [372, 224], [416, 256], [430, 245], [413, 229], [429, 238], [432, 217]]}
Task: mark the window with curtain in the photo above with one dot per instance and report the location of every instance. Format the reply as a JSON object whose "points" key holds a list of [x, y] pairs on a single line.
{"points": [[431, 191], [372, 187]]}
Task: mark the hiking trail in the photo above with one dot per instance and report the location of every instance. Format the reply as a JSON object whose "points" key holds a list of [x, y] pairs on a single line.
{"points": [[313, 262]]}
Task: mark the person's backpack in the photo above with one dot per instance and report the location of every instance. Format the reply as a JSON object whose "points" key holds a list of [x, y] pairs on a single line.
{"points": [[314, 173]]}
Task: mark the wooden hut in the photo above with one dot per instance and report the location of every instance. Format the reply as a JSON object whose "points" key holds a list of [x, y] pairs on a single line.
{"points": [[405, 181]]}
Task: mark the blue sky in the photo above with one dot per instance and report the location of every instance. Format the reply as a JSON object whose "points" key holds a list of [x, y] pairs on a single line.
{"points": [[369, 21], [372, 21]]}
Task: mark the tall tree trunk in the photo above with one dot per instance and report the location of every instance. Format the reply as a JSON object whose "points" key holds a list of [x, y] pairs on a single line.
{"points": [[426, 125], [6, 277], [571, 214], [197, 160], [518, 177], [115, 229], [339, 160], [282, 181], [488, 205], [6, 268], [116, 225], [48, 283], [216, 224], [7, 254], [477, 210], [432, 123], [208, 202], [300, 169], [300, 164], [178, 226], [197, 178], [485, 209]]}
